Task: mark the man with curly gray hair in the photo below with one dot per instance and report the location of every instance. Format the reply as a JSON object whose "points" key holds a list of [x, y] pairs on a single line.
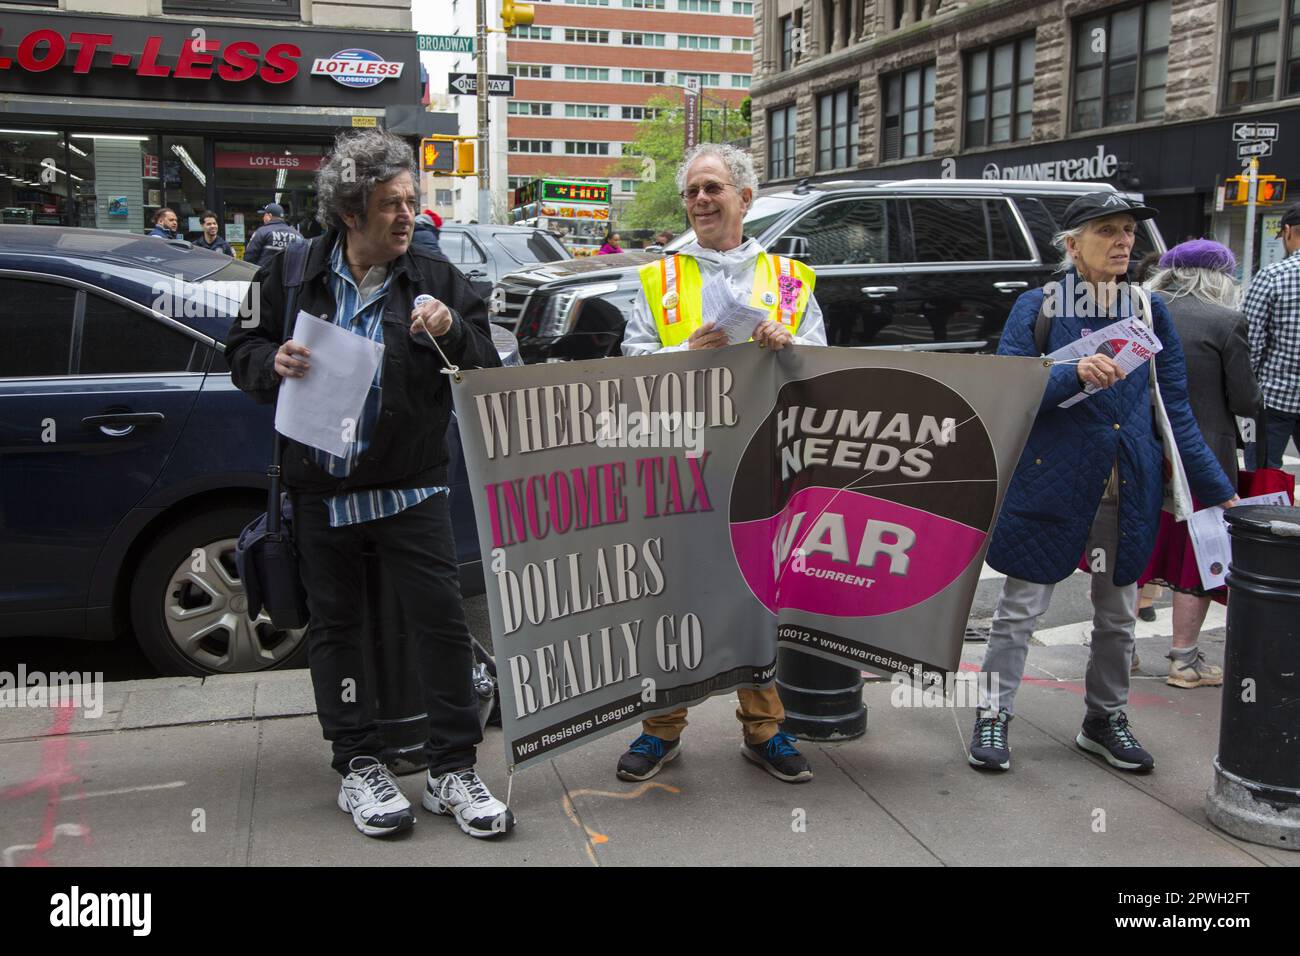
{"points": [[717, 187], [389, 488]]}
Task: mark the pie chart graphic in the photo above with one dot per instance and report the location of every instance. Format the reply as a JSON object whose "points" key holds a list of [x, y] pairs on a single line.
{"points": [[862, 492]]}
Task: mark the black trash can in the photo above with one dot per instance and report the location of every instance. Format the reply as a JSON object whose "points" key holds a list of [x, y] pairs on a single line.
{"points": [[822, 699], [1256, 790], [392, 666]]}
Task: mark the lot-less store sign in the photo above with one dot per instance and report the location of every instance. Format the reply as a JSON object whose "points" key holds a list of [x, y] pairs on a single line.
{"points": [[88, 57]]}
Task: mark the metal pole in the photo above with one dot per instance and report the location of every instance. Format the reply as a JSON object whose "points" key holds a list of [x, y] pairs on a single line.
{"points": [[1248, 256], [484, 175]]}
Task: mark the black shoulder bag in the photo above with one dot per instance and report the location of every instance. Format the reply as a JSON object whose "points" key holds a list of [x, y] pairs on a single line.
{"points": [[266, 556]]}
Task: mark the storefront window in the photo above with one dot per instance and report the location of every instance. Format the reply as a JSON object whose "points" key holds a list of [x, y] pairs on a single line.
{"points": [[119, 185], [185, 182], [34, 178], [250, 175]]}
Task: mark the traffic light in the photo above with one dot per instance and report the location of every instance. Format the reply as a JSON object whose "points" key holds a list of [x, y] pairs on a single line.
{"points": [[465, 158], [516, 14], [437, 155], [1269, 191]]}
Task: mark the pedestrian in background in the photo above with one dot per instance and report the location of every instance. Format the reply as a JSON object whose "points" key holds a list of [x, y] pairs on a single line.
{"points": [[389, 489], [428, 229], [1272, 310], [1196, 282], [164, 224], [210, 238], [663, 237], [1090, 480], [274, 233], [611, 245]]}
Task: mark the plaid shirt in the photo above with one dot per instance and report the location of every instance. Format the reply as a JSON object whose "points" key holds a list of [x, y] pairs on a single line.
{"points": [[361, 310], [1272, 308]]}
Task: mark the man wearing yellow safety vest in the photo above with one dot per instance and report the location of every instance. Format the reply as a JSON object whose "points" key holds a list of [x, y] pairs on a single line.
{"points": [[717, 186]]}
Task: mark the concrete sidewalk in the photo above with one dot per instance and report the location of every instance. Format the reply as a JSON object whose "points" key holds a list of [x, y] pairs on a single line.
{"points": [[233, 771]]}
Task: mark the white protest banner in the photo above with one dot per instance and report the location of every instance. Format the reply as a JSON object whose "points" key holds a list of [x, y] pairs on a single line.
{"points": [[652, 528]]}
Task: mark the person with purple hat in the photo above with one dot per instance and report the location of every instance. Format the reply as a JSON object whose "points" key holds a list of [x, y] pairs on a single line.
{"points": [[1196, 282]]}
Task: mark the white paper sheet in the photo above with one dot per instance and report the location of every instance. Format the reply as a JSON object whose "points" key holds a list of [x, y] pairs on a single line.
{"points": [[323, 408], [1210, 541], [1129, 342], [729, 314]]}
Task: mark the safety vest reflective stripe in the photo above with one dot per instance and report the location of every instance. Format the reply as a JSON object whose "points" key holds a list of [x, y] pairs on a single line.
{"points": [[670, 282], [783, 268]]}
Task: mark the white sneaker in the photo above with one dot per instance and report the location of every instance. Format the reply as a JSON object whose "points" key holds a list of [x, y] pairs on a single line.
{"points": [[371, 795], [463, 796]]}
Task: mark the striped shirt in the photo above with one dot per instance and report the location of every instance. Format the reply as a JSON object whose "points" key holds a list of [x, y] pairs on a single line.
{"points": [[361, 310], [1272, 308]]}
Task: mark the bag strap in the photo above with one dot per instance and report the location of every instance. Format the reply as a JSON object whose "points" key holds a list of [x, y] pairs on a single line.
{"points": [[1042, 328], [293, 269]]}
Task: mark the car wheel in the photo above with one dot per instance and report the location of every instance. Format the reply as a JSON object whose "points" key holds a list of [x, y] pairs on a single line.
{"points": [[188, 606]]}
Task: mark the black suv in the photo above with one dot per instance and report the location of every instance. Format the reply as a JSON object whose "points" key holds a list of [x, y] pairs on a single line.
{"points": [[914, 263]]}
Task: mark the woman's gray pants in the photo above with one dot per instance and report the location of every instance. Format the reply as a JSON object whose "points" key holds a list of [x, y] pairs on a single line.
{"points": [[1022, 603]]}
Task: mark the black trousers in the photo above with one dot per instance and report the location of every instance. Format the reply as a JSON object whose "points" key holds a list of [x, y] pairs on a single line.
{"points": [[417, 553]]}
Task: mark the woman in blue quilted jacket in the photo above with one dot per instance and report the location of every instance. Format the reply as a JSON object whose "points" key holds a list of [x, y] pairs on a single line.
{"points": [[1089, 482]]}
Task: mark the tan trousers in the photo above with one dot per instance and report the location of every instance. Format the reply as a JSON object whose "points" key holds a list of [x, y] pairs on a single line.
{"points": [[760, 713]]}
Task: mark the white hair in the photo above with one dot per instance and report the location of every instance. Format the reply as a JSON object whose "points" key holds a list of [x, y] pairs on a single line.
{"points": [[736, 160], [1209, 285]]}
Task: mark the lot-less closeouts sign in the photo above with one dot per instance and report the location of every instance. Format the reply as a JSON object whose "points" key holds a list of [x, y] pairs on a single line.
{"points": [[655, 527]]}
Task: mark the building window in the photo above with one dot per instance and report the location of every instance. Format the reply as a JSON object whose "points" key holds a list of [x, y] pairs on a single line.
{"points": [[1000, 93], [442, 197], [586, 36], [514, 182], [1119, 66], [589, 3], [529, 146], [909, 114], [700, 6], [740, 80], [706, 79], [640, 113], [1253, 47], [589, 73], [277, 9], [787, 27], [837, 129], [627, 185], [586, 149], [687, 41], [529, 71], [530, 33], [585, 111], [643, 76], [781, 142], [741, 46], [644, 4], [525, 108], [643, 39], [742, 8]]}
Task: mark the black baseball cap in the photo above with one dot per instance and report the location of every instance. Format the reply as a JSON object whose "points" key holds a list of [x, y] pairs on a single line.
{"points": [[1100, 205], [274, 208], [1289, 218]]}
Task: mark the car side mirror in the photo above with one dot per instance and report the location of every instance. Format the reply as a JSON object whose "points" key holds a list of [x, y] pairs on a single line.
{"points": [[792, 247]]}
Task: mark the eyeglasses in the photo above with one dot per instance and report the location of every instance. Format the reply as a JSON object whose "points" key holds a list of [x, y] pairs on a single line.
{"points": [[712, 190]]}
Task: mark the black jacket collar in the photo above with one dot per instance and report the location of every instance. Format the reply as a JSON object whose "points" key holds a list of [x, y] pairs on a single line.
{"points": [[318, 262]]}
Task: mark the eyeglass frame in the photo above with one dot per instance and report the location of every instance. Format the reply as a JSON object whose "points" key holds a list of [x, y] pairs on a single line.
{"points": [[687, 198]]}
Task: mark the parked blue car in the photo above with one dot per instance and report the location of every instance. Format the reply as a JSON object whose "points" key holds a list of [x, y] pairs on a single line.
{"points": [[129, 463]]}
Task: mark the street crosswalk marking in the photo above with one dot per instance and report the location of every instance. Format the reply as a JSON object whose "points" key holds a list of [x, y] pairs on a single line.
{"points": [[1080, 632]]}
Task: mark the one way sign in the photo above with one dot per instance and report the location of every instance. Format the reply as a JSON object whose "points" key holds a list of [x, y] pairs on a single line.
{"points": [[467, 83], [1245, 132]]}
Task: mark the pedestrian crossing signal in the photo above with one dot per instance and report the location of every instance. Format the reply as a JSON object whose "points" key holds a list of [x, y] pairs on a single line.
{"points": [[516, 14], [437, 156], [1269, 191]]}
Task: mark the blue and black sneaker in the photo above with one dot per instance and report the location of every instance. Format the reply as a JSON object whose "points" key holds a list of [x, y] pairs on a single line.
{"points": [[1111, 738], [989, 747], [779, 758], [646, 756]]}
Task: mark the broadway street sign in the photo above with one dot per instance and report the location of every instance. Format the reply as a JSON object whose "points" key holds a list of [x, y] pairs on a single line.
{"points": [[467, 84], [437, 43]]}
